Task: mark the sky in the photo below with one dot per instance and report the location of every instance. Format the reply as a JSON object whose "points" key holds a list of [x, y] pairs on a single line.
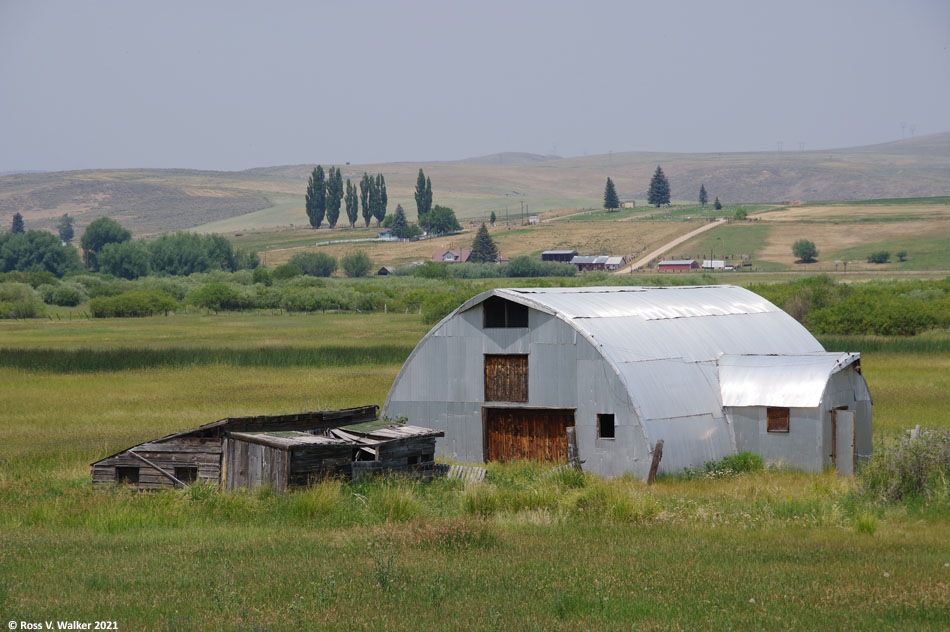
{"points": [[230, 85]]}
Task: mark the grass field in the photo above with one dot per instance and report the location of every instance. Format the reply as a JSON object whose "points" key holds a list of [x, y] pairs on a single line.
{"points": [[529, 550]]}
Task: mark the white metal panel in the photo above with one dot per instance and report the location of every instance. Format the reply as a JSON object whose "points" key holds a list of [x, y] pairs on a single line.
{"points": [[785, 380], [844, 442], [666, 389]]}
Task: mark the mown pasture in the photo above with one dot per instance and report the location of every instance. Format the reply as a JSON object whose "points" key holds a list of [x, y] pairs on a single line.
{"points": [[531, 549]]}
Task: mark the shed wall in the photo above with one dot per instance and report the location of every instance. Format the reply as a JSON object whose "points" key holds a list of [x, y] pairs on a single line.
{"points": [[800, 447], [201, 452]]}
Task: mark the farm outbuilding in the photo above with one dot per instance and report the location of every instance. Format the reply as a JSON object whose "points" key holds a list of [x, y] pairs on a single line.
{"points": [[711, 370], [563, 256], [677, 265], [282, 451]]}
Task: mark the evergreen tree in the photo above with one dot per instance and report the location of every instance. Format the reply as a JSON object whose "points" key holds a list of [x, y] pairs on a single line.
{"points": [[18, 226], [400, 226], [484, 249], [611, 201], [352, 204], [492, 218], [702, 195], [334, 195], [366, 192], [65, 228], [316, 205], [659, 189], [718, 204], [379, 199]]}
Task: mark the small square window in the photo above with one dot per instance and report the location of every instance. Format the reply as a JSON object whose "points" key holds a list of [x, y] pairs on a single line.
{"points": [[777, 419], [605, 426], [186, 474], [127, 474]]}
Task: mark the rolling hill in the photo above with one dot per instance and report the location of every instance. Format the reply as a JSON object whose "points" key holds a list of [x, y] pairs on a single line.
{"points": [[152, 201]]}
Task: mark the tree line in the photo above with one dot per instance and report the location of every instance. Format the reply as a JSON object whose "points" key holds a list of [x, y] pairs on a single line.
{"points": [[657, 195]]}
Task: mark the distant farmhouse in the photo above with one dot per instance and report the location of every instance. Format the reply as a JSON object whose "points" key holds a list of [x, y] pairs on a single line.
{"points": [[460, 255], [711, 371]]}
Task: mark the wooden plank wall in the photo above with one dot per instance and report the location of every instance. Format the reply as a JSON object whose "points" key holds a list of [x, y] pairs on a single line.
{"points": [[527, 433], [506, 378], [201, 452], [251, 465]]}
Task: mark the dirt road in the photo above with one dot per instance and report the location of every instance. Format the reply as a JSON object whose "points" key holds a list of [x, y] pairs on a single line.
{"points": [[668, 246]]}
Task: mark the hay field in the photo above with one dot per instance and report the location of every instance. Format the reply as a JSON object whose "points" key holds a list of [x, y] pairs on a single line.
{"points": [[843, 212], [831, 238]]}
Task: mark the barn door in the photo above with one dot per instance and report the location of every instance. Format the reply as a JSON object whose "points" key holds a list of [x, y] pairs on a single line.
{"points": [[527, 433], [506, 378], [844, 442]]}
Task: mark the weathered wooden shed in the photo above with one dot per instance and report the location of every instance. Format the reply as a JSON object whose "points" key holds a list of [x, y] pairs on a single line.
{"points": [[710, 370], [283, 451]]}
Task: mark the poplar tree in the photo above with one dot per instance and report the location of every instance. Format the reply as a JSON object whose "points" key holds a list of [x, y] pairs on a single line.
{"points": [[703, 198], [65, 228], [420, 195], [18, 225], [611, 200], [316, 205], [659, 189], [380, 199], [352, 204], [366, 192], [334, 195], [484, 249]]}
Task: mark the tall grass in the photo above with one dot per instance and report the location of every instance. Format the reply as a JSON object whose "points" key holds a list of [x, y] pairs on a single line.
{"points": [[124, 359]]}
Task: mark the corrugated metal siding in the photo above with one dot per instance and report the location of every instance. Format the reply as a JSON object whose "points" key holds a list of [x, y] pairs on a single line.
{"points": [[787, 380]]}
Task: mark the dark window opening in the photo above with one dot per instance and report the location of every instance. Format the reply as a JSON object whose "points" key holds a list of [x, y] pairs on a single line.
{"points": [[186, 474], [777, 419], [127, 474], [605, 426], [502, 313]]}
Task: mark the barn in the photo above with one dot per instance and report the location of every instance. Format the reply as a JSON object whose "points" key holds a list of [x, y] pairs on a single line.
{"points": [[677, 265], [710, 370]]}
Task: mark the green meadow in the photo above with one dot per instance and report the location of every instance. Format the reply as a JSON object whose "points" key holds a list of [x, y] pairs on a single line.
{"points": [[530, 549]]}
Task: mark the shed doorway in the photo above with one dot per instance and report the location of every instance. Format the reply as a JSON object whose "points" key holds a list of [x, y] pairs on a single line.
{"points": [[536, 434]]}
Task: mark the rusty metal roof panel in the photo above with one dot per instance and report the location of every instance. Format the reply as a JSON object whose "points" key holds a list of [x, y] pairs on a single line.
{"points": [[772, 380]]}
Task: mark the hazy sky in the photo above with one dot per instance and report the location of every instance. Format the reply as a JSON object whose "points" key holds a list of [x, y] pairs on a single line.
{"points": [[232, 85]]}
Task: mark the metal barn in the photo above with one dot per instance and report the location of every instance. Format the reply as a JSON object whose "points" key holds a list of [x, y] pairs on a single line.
{"points": [[710, 370]]}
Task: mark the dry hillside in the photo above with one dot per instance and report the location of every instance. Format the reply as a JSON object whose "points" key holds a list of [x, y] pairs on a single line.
{"points": [[151, 201]]}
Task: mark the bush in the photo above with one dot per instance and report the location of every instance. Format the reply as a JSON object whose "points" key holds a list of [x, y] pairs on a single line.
{"points": [[132, 304], [356, 264], [525, 266], [127, 259], [66, 295], [37, 251], [912, 469], [19, 300], [318, 264], [262, 276], [881, 256], [740, 213], [901, 255], [286, 271], [431, 270], [219, 297], [438, 305], [728, 466]]}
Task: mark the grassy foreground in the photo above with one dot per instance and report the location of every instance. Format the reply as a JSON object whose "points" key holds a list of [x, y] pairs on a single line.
{"points": [[532, 549]]}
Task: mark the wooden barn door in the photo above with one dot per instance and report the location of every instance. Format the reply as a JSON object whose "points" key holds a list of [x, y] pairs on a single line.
{"points": [[506, 378], [526, 433]]}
